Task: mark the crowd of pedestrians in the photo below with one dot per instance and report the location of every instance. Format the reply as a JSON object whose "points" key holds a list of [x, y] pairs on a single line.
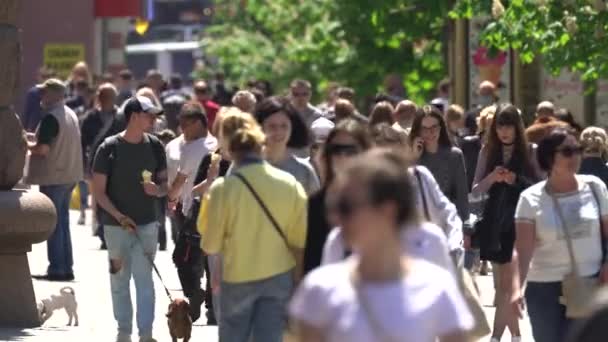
{"points": [[357, 224]]}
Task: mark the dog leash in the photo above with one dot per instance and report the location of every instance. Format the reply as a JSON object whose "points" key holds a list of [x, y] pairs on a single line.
{"points": [[154, 267]]}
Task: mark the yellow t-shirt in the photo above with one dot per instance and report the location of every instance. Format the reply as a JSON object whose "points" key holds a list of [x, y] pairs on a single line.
{"points": [[232, 222]]}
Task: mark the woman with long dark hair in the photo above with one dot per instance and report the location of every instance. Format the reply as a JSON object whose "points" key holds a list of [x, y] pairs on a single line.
{"points": [[346, 140], [505, 168], [432, 145]]}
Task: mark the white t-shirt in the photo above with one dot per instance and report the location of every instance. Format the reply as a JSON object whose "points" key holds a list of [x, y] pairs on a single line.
{"points": [[550, 261], [425, 241], [190, 160], [426, 304], [174, 151]]}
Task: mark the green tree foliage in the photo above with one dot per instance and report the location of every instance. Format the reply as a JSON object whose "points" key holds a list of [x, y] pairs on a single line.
{"points": [[353, 42], [567, 34]]}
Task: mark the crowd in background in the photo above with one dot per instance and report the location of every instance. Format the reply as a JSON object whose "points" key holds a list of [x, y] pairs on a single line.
{"points": [[376, 216]]}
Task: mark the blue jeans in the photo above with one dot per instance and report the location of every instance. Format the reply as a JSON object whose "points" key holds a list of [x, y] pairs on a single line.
{"points": [[83, 187], [59, 244], [547, 315], [255, 310], [131, 255]]}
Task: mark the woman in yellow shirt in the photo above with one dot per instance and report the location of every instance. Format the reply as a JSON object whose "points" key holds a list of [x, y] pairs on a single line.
{"points": [[260, 249]]}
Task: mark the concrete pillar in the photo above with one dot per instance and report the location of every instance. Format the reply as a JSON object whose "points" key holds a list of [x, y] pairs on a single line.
{"points": [[25, 217]]}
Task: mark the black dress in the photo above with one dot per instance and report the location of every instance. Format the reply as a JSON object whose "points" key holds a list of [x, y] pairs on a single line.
{"points": [[496, 231], [318, 229]]}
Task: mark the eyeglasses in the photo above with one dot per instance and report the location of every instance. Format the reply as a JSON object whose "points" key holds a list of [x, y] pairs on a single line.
{"points": [[570, 151], [342, 150], [431, 129]]}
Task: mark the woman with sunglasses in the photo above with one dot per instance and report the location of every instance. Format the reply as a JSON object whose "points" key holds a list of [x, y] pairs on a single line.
{"points": [[505, 168], [379, 294], [565, 208], [347, 139], [285, 130], [431, 143]]}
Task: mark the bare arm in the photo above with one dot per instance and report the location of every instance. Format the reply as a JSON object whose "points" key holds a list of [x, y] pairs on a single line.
{"points": [[202, 188], [308, 333], [39, 149], [99, 190], [457, 336], [176, 187], [524, 245]]}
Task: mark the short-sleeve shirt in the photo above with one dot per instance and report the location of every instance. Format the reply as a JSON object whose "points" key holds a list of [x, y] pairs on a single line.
{"points": [[123, 163], [550, 261], [191, 156], [424, 305], [303, 171]]}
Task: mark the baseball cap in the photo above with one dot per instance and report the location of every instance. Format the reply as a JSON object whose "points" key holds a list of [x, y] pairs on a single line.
{"points": [[139, 104], [320, 129], [52, 84]]}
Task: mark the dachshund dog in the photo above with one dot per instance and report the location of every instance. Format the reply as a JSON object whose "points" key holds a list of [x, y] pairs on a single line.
{"points": [[179, 320]]}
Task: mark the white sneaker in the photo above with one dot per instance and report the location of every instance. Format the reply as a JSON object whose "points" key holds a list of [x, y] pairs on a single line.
{"points": [[123, 338]]}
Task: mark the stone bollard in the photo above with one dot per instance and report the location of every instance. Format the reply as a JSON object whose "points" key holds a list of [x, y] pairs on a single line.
{"points": [[25, 217]]}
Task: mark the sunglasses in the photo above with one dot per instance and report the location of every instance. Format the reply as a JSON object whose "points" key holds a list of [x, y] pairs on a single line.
{"points": [[342, 150], [345, 206], [570, 151]]}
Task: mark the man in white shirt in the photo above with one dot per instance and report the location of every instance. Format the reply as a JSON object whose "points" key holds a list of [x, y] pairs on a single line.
{"points": [[185, 154], [190, 148]]}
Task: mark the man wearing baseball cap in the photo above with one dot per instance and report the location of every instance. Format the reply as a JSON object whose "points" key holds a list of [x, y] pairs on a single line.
{"points": [[56, 166], [129, 177]]}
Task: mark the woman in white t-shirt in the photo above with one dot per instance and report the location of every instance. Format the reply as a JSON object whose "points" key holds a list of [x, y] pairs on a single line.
{"points": [[541, 242], [378, 295]]}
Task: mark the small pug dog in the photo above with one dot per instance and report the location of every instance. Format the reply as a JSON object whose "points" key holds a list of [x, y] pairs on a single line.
{"points": [[66, 300], [179, 320]]}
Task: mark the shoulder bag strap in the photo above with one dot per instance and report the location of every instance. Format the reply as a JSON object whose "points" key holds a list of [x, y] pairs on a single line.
{"points": [[561, 216], [596, 196], [275, 224], [427, 216]]}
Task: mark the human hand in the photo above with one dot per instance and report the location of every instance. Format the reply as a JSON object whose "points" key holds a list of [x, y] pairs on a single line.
{"points": [[127, 223], [213, 172], [518, 305], [498, 174], [509, 177], [151, 189], [467, 242]]}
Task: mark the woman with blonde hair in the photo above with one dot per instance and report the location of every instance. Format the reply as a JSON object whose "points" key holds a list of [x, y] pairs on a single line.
{"points": [[256, 213], [80, 72], [161, 121], [594, 142]]}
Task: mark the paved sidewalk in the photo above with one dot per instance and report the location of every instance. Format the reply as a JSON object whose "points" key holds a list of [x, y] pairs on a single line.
{"points": [[92, 287]]}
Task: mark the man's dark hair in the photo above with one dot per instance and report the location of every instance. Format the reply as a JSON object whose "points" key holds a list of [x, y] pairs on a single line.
{"points": [[300, 135], [346, 93], [176, 81], [193, 110], [126, 75]]}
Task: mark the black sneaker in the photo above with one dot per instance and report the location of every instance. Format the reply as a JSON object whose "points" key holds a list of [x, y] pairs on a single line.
{"points": [[54, 277]]}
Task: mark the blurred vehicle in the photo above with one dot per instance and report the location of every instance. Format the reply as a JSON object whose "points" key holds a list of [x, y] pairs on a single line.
{"points": [[167, 48]]}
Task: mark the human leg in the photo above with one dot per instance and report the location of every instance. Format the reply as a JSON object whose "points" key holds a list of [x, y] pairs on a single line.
{"points": [[119, 256], [547, 315], [237, 303], [144, 251], [59, 248], [269, 317]]}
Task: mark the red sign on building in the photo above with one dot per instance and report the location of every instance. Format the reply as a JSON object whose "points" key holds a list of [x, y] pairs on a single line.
{"points": [[118, 8]]}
